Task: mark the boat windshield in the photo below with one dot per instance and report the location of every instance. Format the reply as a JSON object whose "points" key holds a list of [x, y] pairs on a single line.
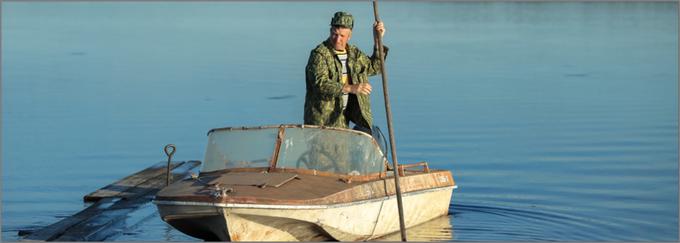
{"points": [[239, 148], [334, 150]]}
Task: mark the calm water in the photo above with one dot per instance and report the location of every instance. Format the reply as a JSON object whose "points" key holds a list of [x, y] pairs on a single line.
{"points": [[558, 120]]}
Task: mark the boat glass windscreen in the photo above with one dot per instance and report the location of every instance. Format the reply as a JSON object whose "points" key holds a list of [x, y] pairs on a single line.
{"points": [[337, 151], [239, 149]]}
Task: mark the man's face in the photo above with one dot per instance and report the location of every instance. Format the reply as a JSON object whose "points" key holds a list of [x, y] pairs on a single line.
{"points": [[339, 37]]}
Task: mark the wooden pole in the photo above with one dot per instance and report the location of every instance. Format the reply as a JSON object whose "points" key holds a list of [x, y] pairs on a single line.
{"points": [[395, 163]]}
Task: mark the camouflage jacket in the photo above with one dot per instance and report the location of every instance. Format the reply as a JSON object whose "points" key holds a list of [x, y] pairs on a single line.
{"points": [[323, 101]]}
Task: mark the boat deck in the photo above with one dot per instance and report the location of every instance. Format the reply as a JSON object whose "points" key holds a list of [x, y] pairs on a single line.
{"points": [[288, 188]]}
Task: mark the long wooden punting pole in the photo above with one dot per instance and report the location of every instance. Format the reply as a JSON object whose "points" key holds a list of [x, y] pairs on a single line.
{"points": [[381, 54]]}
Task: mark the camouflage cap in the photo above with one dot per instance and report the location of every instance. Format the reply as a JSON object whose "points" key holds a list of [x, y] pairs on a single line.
{"points": [[343, 19]]}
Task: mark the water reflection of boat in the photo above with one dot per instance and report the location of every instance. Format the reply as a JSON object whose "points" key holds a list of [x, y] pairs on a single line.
{"points": [[300, 182], [437, 229]]}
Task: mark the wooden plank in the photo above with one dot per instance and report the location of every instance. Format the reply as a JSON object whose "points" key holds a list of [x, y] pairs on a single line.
{"points": [[116, 188], [100, 227], [50, 232], [93, 222]]}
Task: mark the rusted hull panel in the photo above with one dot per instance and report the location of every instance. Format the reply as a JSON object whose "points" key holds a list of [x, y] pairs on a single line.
{"points": [[353, 221], [304, 190]]}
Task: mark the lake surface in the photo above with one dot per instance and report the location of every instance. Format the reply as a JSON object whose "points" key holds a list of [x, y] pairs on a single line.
{"points": [[559, 121]]}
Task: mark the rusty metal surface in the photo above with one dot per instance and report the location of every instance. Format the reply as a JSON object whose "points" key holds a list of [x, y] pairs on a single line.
{"points": [[306, 190], [253, 179], [277, 148], [403, 168]]}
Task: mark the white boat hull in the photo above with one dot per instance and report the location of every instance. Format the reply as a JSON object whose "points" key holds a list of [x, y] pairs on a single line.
{"points": [[356, 221]]}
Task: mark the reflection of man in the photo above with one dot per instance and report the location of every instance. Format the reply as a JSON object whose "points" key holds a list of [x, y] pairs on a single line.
{"points": [[337, 78], [330, 152]]}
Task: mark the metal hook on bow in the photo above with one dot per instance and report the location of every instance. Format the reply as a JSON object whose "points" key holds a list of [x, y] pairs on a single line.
{"points": [[169, 151]]}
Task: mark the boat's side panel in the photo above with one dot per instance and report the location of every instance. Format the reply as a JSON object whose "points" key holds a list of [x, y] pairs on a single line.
{"points": [[385, 187], [418, 208], [356, 219], [252, 227], [349, 222]]}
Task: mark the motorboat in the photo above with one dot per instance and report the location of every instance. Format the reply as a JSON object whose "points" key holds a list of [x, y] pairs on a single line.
{"points": [[300, 183]]}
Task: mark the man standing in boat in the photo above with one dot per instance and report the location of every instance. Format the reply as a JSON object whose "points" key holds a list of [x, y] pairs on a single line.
{"points": [[337, 78]]}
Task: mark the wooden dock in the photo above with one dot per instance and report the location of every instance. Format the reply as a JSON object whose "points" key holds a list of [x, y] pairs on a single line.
{"points": [[111, 205]]}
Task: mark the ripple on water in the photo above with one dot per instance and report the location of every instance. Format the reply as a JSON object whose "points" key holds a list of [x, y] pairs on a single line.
{"points": [[512, 224]]}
